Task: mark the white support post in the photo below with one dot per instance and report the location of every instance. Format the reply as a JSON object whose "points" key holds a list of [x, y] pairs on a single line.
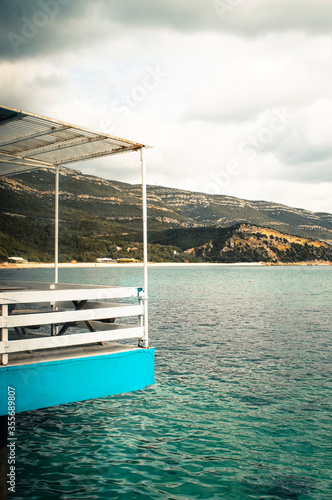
{"points": [[56, 236], [4, 334], [145, 341], [54, 328]]}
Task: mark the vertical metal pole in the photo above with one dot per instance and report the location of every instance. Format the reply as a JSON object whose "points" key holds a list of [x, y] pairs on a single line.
{"points": [[145, 250], [54, 328], [56, 237]]}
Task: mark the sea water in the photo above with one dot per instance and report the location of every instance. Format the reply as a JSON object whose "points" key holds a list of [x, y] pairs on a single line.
{"points": [[241, 407]]}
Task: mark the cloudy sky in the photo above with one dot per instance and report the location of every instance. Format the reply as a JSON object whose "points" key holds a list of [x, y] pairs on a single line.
{"points": [[235, 96]]}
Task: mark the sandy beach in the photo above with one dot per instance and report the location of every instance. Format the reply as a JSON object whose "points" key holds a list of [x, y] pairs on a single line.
{"points": [[43, 265]]}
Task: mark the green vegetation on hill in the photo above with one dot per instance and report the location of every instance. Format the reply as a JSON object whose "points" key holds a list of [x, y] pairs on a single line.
{"points": [[101, 218], [244, 243]]}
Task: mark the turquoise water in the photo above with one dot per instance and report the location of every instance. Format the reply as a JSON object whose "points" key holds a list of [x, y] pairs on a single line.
{"points": [[241, 408]]}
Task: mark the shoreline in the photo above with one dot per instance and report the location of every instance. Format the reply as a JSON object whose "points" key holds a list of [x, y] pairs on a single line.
{"points": [[44, 265]]}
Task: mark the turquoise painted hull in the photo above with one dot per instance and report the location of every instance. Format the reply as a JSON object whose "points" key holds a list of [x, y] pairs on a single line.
{"points": [[40, 385]]}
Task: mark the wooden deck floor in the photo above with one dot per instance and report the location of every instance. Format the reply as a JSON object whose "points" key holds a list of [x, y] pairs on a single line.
{"points": [[73, 352]]}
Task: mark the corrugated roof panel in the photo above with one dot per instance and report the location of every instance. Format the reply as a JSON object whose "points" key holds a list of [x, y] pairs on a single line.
{"points": [[6, 157], [69, 154], [32, 140], [18, 129], [51, 140]]}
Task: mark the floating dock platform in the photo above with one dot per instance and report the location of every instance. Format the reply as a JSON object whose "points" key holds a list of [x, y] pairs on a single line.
{"points": [[66, 346]]}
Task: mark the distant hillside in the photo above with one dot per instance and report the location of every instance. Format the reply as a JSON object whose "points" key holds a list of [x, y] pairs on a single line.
{"points": [[245, 243], [201, 209], [101, 218]]}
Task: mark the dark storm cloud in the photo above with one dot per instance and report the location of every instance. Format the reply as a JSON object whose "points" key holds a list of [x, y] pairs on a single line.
{"points": [[247, 18], [32, 27]]}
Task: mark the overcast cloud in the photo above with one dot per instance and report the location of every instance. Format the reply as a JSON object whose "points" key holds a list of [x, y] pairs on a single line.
{"points": [[235, 96]]}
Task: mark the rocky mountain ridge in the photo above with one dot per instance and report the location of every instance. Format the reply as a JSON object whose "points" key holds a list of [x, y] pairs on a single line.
{"points": [[99, 215], [259, 244]]}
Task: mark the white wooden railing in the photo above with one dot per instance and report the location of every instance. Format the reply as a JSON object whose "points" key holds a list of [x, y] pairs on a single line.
{"points": [[75, 315]]}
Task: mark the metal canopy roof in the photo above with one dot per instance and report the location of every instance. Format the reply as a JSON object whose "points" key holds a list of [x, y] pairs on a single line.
{"points": [[29, 141]]}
